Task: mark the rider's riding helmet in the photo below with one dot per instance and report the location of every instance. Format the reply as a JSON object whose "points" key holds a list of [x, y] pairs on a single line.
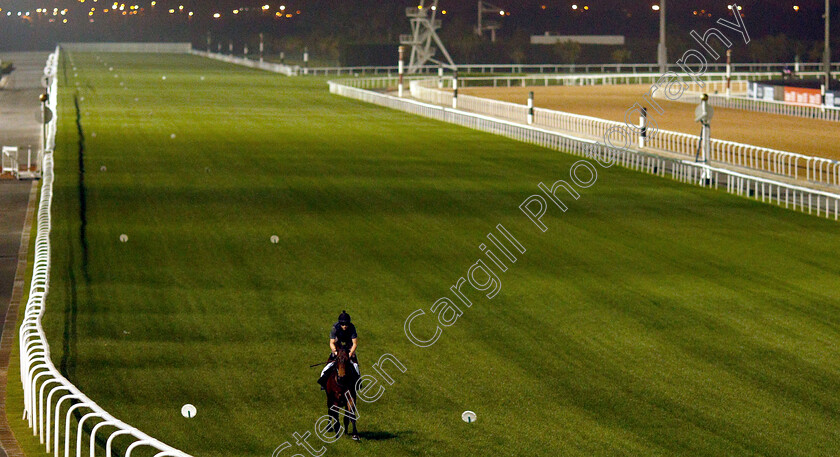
{"points": [[343, 318]]}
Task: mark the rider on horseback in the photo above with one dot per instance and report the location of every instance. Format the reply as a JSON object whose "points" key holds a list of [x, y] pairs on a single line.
{"points": [[342, 335]]}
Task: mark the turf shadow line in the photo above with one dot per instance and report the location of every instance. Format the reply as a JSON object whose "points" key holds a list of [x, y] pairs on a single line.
{"points": [[82, 191], [68, 358], [69, 339]]}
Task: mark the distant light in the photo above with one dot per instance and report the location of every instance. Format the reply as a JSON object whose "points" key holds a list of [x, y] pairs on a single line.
{"points": [[796, 7], [265, 7], [434, 8], [502, 13], [171, 11], [443, 12], [655, 7], [586, 7], [282, 7], [419, 7], [217, 15], [574, 7], [235, 11], [154, 3]]}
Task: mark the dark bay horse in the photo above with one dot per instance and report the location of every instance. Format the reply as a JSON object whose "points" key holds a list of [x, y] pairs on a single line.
{"points": [[341, 393]]}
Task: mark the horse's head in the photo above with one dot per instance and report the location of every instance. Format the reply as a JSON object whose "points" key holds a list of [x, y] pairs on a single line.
{"points": [[342, 359]]}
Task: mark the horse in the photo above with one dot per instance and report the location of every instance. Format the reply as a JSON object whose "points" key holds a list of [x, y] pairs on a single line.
{"points": [[341, 392]]}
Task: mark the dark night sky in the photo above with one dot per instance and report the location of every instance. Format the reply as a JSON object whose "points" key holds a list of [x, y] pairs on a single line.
{"points": [[633, 18]]}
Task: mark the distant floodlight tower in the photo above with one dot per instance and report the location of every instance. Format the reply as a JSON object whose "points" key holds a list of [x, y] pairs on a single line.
{"points": [[424, 27], [493, 11]]}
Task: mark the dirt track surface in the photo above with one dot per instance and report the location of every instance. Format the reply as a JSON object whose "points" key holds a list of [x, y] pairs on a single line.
{"points": [[786, 133]]}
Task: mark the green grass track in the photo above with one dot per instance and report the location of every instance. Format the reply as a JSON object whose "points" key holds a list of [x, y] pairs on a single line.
{"points": [[652, 318]]}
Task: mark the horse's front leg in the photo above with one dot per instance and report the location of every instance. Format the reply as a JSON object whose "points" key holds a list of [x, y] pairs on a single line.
{"points": [[336, 420], [347, 422], [352, 407]]}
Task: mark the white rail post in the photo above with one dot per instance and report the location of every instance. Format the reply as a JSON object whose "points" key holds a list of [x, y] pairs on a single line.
{"points": [[401, 70], [531, 108], [728, 73], [643, 127], [455, 91]]}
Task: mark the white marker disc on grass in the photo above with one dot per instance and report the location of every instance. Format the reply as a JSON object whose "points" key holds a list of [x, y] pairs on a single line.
{"points": [[468, 417], [164, 78], [275, 239], [172, 136], [124, 238], [188, 411]]}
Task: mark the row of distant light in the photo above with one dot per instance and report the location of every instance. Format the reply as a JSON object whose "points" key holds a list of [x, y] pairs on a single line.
{"points": [[55, 12], [264, 8], [134, 9]]}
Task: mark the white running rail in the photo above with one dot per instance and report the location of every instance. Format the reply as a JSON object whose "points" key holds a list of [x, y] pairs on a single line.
{"points": [[818, 112], [797, 166], [823, 204], [267, 66], [45, 390], [775, 68]]}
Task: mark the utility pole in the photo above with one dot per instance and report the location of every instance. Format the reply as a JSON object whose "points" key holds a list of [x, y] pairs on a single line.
{"points": [[262, 46], [827, 55], [663, 50]]}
